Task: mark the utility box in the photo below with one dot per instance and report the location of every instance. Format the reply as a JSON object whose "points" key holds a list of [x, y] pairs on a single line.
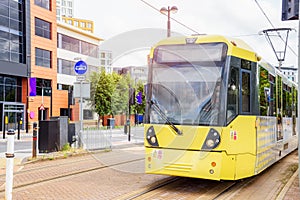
{"points": [[110, 123], [71, 132], [48, 134], [53, 134], [63, 130]]}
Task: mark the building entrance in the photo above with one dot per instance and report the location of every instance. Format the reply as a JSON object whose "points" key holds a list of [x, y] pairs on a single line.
{"points": [[11, 114]]}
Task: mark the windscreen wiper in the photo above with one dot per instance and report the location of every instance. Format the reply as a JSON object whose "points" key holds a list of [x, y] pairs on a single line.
{"points": [[164, 117]]}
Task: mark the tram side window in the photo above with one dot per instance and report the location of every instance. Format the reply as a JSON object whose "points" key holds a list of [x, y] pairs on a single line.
{"points": [[233, 91], [295, 101], [287, 101], [245, 92], [279, 96], [272, 96], [264, 92]]}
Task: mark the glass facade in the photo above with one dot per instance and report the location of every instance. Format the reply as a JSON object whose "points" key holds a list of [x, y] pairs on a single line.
{"points": [[77, 46], [10, 89], [12, 15]]}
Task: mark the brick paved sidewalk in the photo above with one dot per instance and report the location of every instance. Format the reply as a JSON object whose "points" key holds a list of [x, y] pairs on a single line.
{"points": [[292, 189]]}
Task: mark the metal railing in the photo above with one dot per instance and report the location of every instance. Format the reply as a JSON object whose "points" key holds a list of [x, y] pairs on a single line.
{"points": [[95, 138]]}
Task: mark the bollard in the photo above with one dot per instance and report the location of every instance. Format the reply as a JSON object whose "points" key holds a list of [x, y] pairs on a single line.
{"points": [[34, 139], [19, 127], [9, 164], [129, 132]]}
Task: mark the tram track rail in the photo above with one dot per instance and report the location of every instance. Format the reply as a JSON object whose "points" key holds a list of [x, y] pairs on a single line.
{"points": [[162, 190], [201, 189]]}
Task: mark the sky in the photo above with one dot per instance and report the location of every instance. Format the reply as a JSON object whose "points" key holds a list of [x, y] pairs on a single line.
{"points": [[130, 27]]}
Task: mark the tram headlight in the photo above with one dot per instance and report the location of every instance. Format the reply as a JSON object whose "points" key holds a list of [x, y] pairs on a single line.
{"points": [[151, 136], [212, 140]]}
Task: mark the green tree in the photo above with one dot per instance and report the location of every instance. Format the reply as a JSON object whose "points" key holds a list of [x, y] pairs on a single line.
{"points": [[120, 94], [102, 87], [110, 94]]}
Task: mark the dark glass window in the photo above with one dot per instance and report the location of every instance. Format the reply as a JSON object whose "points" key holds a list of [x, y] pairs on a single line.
{"points": [[43, 3], [42, 28], [87, 114], [42, 58], [246, 92], [233, 94], [10, 89], [43, 85]]}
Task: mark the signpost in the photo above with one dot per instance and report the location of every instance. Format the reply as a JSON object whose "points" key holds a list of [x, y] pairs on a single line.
{"points": [[290, 11], [80, 68]]}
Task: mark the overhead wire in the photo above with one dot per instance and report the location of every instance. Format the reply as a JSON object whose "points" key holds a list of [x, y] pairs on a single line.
{"points": [[193, 30], [182, 24], [264, 13]]}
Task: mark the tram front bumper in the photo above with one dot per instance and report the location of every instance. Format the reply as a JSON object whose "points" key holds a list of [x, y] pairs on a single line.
{"points": [[197, 164]]}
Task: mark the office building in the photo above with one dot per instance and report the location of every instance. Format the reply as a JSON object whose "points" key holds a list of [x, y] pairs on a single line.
{"points": [[14, 63]]}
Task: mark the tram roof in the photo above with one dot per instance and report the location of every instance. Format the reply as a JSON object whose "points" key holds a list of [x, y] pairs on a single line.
{"points": [[236, 47]]}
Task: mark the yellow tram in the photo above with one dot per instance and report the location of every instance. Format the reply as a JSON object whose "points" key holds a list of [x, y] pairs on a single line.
{"points": [[215, 110]]}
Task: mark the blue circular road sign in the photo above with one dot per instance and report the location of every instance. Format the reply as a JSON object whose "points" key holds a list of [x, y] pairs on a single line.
{"points": [[80, 67]]}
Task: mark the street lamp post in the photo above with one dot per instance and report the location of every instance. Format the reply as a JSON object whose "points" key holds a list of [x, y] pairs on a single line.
{"points": [[167, 11]]}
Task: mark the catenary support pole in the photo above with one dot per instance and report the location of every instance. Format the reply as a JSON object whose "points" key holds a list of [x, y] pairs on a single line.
{"points": [[9, 164], [298, 121]]}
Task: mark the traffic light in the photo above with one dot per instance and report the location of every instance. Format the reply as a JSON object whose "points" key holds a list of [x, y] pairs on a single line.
{"points": [[290, 10]]}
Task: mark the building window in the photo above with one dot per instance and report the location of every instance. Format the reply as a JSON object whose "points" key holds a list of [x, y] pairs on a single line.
{"points": [[42, 58], [42, 28], [78, 46], [70, 4], [87, 114], [43, 87], [43, 3], [70, 12], [89, 49], [69, 43]]}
